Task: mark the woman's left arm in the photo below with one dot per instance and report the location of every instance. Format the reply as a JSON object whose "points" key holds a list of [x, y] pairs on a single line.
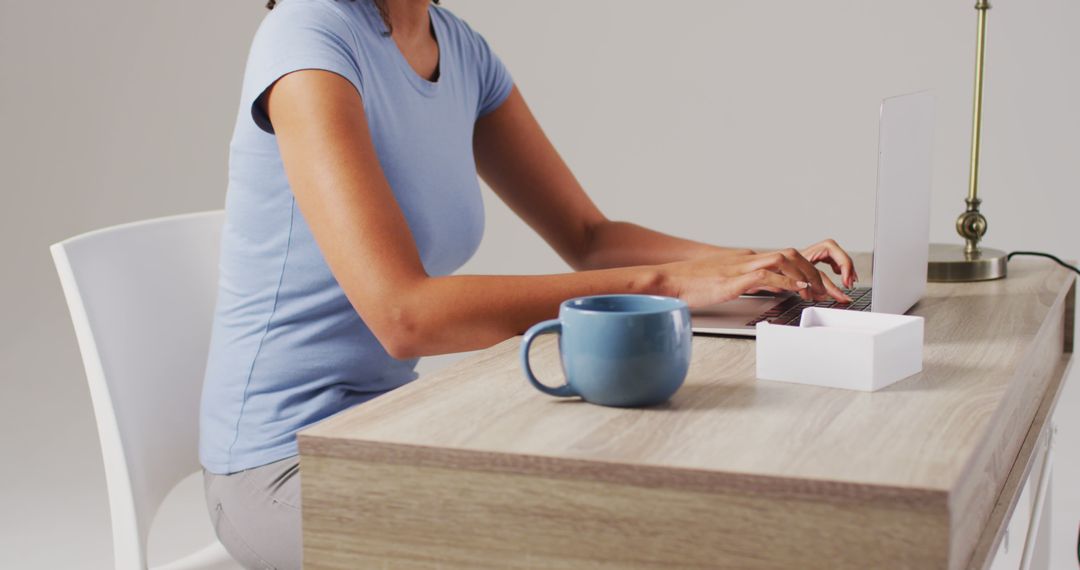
{"points": [[516, 159]]}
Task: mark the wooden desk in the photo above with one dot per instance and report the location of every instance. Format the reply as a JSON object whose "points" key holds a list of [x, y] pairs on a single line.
{"points": [[472, 468]]}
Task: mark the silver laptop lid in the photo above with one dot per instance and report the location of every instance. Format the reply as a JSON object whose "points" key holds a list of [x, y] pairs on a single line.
{"points": [[902, 223]]}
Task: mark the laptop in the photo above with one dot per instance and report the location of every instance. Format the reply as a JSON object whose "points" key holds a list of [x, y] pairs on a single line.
{"points": [[901, 231]]}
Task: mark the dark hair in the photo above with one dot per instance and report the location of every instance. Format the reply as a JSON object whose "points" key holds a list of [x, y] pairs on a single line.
{"points": [[384, 11]]}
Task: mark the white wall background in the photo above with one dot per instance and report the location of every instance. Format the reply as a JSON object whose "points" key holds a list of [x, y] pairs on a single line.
{"points": [[737, 122]]}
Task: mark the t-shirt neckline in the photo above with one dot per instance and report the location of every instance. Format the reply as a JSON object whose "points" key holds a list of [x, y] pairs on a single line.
{"points": [[424, 86]]}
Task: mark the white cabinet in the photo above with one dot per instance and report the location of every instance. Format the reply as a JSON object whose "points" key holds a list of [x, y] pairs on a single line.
{"points": [[1026, 543]]}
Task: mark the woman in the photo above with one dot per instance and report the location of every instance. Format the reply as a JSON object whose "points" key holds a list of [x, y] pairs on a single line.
{"points": [[353, 195]]}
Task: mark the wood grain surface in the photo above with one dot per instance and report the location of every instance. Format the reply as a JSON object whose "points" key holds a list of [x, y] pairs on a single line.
{"points": [[472, 468]]}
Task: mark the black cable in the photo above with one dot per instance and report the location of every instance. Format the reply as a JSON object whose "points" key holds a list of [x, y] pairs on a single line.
{"points": [[1046, 255]]}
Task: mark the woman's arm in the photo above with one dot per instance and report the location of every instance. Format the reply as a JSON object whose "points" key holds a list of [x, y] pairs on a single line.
{"points": [[515, 158], [361, 231]]}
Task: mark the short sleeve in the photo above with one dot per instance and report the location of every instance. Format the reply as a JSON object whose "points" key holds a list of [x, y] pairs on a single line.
{"points": [[495, 81], [298, 35]]}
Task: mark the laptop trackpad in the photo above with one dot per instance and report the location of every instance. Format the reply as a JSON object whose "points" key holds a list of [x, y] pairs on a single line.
{"points": [[732, 314]]}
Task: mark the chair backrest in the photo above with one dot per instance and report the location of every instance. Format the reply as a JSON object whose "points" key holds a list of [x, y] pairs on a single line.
{"points": [[141, 297]]}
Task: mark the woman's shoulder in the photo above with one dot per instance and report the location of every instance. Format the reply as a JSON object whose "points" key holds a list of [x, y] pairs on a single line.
{"points": [[457, 27], [492, 76], [337, 17], [304, 34]]}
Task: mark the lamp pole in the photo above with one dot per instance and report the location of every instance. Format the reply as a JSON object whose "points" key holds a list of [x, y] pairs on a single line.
{"points": [[970, 262], [971, 225]]}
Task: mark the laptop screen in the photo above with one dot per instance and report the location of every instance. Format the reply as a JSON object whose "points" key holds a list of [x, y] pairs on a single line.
{"points": [[902, 225]]}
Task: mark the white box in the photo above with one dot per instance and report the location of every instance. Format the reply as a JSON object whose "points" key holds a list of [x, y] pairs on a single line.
{"points": [[841, 349]]}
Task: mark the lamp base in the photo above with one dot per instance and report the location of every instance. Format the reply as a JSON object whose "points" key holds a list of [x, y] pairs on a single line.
{"points": [[950, 264]]}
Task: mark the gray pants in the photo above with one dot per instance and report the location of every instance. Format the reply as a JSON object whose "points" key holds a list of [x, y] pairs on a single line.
{"points": [[256, 514]]}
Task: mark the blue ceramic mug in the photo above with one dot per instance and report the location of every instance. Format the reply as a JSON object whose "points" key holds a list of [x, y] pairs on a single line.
{"points": [[618, 350]]}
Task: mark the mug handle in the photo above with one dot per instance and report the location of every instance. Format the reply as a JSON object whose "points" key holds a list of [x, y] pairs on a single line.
{"points": [[546, 327]]}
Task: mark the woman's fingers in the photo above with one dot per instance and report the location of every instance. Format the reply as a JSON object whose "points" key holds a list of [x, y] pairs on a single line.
{"points": [[795, 265], [810, 274], [830, 252], [779, 263], [823, 256], [793, 272], [844, 261], [833, 290], [776, 272], [761, 278], [767, 289]]}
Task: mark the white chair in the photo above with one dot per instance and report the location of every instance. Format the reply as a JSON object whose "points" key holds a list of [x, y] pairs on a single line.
{"points": [[141, 297]]}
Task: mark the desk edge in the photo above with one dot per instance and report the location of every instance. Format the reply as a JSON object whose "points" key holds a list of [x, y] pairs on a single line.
{"points": [[639, 475]]}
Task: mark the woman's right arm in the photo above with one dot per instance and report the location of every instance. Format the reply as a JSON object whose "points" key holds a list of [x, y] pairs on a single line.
{"points": [[340, 188]]}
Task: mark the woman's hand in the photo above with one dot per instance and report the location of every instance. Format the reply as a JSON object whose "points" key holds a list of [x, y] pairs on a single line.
{"points": [[830, 252], [723, 277]]}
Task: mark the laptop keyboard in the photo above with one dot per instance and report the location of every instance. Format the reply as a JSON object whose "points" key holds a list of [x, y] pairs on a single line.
{"points": [[789, 311]]}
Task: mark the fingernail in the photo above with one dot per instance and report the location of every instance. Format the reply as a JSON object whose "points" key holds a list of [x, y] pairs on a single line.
{"points": [[802, 284]]}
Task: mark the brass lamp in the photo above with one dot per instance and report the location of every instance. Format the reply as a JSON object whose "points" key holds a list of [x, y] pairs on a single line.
{"points": [[951, 263]]}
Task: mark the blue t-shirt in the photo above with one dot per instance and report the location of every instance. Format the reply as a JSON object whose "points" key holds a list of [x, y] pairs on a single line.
{"points": [[287, 348]]}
